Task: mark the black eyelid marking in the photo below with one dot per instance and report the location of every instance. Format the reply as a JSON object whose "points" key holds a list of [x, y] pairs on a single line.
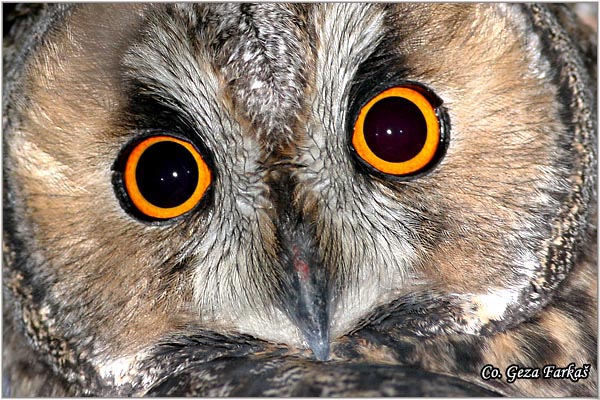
{"points": [[148, 107], [148, 113]]}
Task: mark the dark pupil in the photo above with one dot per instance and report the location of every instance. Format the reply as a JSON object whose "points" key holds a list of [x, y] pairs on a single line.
{"points": [[167, 174], [395, 129]]}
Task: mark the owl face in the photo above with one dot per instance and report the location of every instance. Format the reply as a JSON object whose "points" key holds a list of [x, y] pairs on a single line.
{"points": [[288, 172]]}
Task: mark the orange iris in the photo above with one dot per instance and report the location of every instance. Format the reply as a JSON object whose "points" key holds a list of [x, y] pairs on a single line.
{"points": [[165, 177], [397, 132]]}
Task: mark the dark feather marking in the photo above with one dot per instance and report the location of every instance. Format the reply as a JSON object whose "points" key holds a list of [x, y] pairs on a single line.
{"points": [[576, 303], [580, 307], [539, 346], [467, 353], [403, 349]]}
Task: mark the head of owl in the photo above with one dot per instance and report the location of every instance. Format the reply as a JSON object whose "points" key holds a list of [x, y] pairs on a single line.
{"points": [[286, 199]]}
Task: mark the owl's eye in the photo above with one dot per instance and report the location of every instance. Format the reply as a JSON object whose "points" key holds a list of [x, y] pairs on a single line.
{"points": [[398, 132], [165, 177]]}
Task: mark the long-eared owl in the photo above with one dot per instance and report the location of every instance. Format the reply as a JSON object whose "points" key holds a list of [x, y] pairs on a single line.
{"points": [[299, 199]]}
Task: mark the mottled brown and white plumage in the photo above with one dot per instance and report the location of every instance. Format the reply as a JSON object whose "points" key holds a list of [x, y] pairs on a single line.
{"points": [[410, 286]]}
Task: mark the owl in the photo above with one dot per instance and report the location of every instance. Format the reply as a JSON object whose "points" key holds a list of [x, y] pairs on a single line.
{"points": [[299, 200]]}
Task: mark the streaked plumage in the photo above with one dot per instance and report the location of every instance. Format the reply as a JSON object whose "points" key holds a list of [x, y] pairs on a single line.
{"points": [[302, 271]]}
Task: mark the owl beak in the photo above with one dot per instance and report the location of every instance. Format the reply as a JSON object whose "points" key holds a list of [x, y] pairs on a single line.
{"points": [[307, 302], [305, 286]]}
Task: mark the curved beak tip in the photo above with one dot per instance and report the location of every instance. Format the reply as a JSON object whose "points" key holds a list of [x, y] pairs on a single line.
{"points": [[320, 348]]}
